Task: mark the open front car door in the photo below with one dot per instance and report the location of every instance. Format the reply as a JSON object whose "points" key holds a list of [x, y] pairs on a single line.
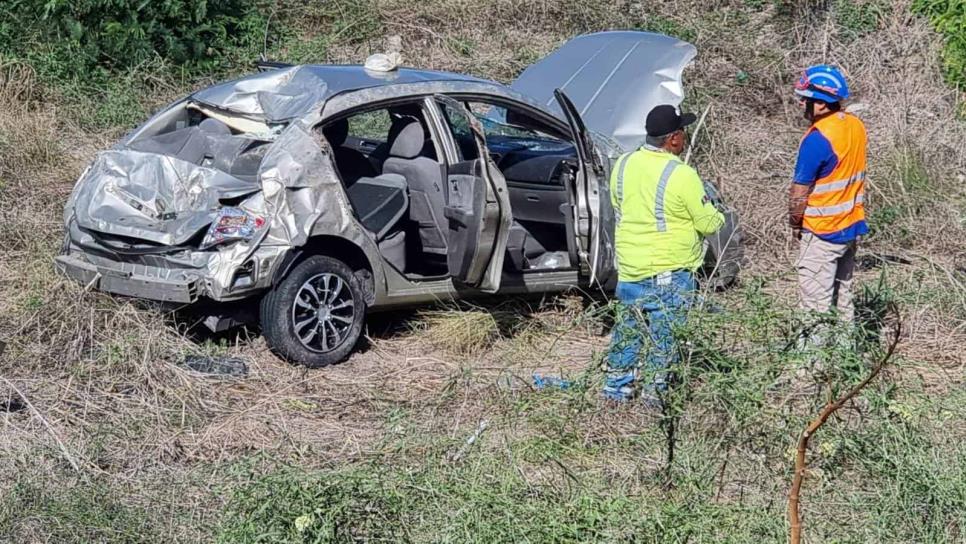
{"points": [[586, 197], [477, 208]]}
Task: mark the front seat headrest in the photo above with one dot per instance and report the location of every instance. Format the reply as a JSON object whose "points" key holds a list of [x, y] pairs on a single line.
{"points": [[336, 132], [409, 143]]}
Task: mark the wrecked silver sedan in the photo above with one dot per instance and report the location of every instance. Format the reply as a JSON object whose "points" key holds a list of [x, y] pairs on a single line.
{"points": [[319, 193]]}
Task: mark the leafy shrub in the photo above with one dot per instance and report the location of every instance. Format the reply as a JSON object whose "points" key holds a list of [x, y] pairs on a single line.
{"points": [[70, 38], [949, 18], [104, 56]]}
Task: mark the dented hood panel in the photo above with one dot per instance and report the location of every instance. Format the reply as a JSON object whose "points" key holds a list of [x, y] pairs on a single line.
{"points": [[152, 197], [613, 78]]}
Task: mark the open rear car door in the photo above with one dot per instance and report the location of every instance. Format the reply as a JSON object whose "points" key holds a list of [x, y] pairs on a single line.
{"points": [[586, 192], [477, 210]]}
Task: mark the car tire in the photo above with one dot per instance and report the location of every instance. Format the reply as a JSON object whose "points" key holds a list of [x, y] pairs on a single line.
{"points": [[314, 316], [723, 260]]}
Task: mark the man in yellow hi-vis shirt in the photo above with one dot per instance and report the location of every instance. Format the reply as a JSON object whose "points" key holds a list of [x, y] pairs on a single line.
{"points": [[661, 212]]}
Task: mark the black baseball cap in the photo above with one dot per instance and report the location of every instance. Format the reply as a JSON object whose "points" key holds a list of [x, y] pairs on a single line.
{"points": [[664, 119]]}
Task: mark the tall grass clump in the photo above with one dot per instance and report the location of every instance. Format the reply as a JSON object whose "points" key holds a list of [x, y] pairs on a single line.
{"points": [[558, 465]]}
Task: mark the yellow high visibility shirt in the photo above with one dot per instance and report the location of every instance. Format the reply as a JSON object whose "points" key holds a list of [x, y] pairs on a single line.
{"points": [[661, 212]]}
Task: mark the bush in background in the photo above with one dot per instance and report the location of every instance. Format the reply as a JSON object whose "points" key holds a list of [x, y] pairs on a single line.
{"points": [[102, 55], [76, 39], [949, 18]]}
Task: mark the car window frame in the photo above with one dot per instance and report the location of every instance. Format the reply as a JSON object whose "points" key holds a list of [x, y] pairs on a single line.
{"points": [[439, 141], [558, 126]]}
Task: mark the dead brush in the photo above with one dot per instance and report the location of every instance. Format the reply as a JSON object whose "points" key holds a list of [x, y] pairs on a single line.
{"points": [[18, 83], [29, 140], [461, 332]]}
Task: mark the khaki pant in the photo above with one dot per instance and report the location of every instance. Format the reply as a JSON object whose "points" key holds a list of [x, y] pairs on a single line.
{"points": [[825, 275]]}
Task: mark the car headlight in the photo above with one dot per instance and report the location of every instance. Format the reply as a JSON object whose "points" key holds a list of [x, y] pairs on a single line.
{"points": [[232, 225]]}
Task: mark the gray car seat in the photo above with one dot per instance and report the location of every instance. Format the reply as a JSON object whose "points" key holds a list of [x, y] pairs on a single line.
{"points": [[380, 203], [522, 248], [210, 144], [351, 163], [425, 179]]}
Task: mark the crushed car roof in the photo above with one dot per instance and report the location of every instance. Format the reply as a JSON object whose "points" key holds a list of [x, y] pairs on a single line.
{"points": [[287, 93]]}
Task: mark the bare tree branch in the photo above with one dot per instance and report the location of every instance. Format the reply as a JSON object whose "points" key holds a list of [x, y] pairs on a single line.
{"points": [[794, 516]]}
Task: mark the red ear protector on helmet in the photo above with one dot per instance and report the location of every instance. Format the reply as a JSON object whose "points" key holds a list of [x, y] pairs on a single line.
{"points": [[803, 84]]}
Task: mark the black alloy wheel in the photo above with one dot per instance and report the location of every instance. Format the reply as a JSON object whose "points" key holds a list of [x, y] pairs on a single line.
{"points": [[314, 316]]}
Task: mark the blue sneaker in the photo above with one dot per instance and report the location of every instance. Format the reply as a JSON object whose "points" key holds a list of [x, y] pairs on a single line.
{"points": [[619, 387], [619, 394]]}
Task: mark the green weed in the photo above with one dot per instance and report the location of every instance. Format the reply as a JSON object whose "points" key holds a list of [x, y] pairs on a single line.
{"points": [[949, 18], [856, 18], [671, 27], [79, 512]]}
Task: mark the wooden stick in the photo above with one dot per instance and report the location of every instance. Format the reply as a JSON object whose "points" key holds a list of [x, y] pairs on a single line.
{"points": [[63, 448], [694, 137], [794, 516]]}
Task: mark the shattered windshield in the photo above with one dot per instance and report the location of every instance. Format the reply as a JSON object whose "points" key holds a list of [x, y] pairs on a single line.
{"points": [[499, 127], [494, 127]]}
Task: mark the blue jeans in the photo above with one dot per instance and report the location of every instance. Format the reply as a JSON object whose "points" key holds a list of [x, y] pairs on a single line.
{"points": [[663, 302]]}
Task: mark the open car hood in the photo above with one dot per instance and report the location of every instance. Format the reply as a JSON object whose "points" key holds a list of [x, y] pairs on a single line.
{"points": [[613, 78]]}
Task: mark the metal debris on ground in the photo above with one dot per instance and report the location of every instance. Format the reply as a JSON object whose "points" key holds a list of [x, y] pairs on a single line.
{"points": [[469, 441], [223, 366], [12, 404], [869, 261]]}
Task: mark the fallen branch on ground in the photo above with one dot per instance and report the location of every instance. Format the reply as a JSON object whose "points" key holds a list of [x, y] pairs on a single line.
{"points": [[38, 415], [794, 516]]}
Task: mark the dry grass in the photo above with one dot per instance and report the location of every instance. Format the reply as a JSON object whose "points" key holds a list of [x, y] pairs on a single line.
{"points": [[110, 396], [458, 332]]}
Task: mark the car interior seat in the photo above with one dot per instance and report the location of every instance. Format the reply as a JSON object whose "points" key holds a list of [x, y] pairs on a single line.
{"points": [[211, 144], [424, 177], [351, 163]]}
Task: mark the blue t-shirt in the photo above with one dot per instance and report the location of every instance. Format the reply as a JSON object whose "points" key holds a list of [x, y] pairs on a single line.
{"points": [[817, 159]]}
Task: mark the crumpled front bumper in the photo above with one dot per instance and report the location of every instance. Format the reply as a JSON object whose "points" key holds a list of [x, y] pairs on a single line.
{"points": [[234, 272], [131, 281]]}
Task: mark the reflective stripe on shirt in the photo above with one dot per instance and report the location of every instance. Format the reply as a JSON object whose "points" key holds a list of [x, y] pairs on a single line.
{"points": [[838, 184], [823, 211], [619, 192], [659, 201]]}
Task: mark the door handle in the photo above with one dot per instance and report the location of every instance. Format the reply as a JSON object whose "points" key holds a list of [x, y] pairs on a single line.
{"points": [[533, 198]]}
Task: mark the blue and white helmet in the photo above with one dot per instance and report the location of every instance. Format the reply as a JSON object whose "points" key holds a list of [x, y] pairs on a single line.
{"points": [[822, 82]]}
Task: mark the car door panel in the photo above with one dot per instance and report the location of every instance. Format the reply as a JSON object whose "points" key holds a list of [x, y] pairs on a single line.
{"points": [[585, 191], [537, 202], [477, 209]]}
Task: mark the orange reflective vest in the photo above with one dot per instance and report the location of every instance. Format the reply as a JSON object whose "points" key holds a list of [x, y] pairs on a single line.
{"points": [[836, 204]]}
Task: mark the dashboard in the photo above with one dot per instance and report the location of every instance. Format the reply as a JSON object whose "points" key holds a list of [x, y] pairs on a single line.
{"points": [[530, 160]]}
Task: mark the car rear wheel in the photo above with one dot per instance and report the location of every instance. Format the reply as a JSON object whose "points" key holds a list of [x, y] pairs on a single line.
{"points": [[314, 316]]}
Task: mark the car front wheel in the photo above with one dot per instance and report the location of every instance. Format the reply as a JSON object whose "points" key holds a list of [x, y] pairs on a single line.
{"points": [[314, 316]]}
